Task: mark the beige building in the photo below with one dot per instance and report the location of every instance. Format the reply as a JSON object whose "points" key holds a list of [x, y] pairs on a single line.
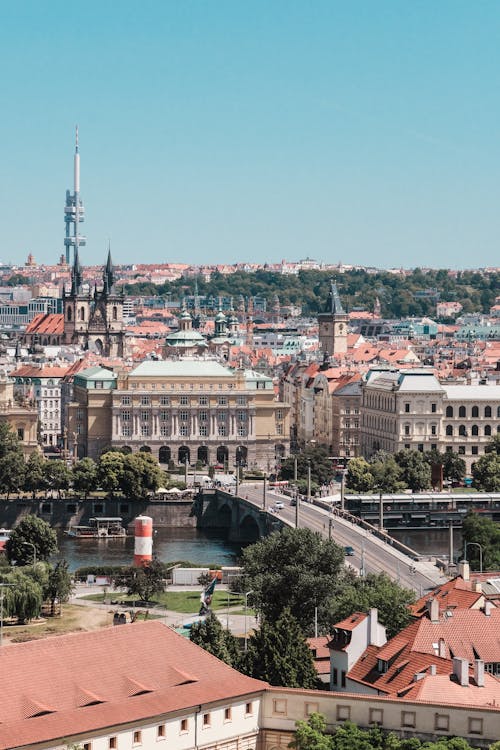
{"points": [[411, 409], [18, 413], [181, 410]]}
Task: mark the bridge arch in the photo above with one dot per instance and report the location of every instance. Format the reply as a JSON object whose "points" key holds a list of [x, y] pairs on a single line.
{"points": [[249, 529]]}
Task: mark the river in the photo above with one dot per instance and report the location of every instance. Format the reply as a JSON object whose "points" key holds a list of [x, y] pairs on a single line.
{"points": [[170, 545]]}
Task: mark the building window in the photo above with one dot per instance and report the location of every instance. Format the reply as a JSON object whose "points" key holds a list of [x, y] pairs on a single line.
{"points": [[145, 401], [184, 400], [407, 408], [474, 450], [222, 400], [279, 706], [137, 737], [462, 431], [242, 415], [203, 430], [449, 429], [113, 743], [342, 679], [442, 722], [184, 415], [487, 430], [487, 412], [160, 732], [408, 719], [184, 430], [311, 708], [222, 430], [449, 411], [206, 720], [222, 416], [227, 714], [203, 416], [164, 400], [279, 413], [407, 429], [145, 430], [145, 415], [184, 725], [461, 412], [433, 429], [461, 450], [126, 431], [474, 412], [279, 429], [164, 430], [433, 408], [475, 725], [125, 415], [343, 713], [334, 675], [376, 716], [242, 430], [241, 400], [474, 430], [420, 447], [164, 415], [203, 401], [249, 709]]}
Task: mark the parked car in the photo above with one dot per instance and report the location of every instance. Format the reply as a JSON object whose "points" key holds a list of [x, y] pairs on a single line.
{"points": [[279, 505], [349, 551]]}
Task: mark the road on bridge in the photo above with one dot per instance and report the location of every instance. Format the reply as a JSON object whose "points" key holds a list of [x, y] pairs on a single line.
{"points": [[371, 555]]}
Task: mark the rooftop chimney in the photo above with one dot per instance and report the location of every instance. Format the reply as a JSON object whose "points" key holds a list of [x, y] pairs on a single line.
{"points": [[461, 670], [478, 586], [432, 669], [433, 609], [488, 606], [442, 648], [464, 570], [479, 672]]}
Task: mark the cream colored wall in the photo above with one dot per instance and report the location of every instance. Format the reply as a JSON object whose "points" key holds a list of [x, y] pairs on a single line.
{"points": [[277, 727]]}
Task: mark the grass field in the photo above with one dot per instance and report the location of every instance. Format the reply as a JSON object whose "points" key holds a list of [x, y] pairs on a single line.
{"points": [[185, 602]]}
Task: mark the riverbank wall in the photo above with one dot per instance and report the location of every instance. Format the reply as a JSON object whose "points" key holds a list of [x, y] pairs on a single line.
{"points": [[61, 514]]}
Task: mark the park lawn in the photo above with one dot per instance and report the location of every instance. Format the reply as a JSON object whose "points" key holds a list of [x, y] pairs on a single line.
{"points": [[185, 602]]}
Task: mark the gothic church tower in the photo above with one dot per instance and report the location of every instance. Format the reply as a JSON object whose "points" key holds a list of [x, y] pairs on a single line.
{"points": [[333, 323]]}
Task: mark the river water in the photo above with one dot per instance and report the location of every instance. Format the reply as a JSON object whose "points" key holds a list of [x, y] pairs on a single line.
{"points": [[169, 545]]}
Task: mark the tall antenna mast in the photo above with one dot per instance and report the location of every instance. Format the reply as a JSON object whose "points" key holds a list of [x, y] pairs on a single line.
{"points": [[74, 212]]}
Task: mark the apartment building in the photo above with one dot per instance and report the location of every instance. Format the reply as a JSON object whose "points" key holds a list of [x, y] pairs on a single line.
{"points": [[411, 409], [42, 385]]}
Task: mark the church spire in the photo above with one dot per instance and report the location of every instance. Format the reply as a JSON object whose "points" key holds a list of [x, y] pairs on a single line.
{"points": [[333, 304], [76, 275], [108, 276]]}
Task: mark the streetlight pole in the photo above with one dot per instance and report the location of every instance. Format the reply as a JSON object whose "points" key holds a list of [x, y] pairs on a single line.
{"points": [[295, 468], [475, 544], [2, 594], [246, 605], [297, 508], [30, 544], [237, 479], [342, 489], [264, 492], [308, 481]]}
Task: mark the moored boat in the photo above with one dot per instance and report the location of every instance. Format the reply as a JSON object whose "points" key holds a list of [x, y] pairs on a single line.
{"points": [[102, 528]]}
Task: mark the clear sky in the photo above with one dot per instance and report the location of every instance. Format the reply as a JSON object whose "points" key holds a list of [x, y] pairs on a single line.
{"points": [[366, 132]]}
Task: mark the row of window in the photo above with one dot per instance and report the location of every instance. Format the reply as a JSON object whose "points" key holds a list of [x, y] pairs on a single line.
{"points": [[376, 716], [161, 729], [474, 413], [184, 430], [183, 400], [185, 415], [181, 386], [474, 430]]}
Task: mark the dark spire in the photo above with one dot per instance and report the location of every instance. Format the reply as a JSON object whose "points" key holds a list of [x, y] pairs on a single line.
{"points": [[333, 304], [76, 275], [108, 277]]}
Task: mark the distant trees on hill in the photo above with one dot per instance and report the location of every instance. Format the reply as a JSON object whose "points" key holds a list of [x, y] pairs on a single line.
{"points": [[358, 288]]}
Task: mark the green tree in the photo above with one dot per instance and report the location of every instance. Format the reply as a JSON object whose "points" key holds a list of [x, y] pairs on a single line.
{"points": [[144, 582], [493, 445], [454, 467], [359, 475], [375, 590], [12, 472], [57, 476], [31, 531], [485, 532], [314, 456], [24, 599], [210, 635], [59, 585], [141, 473], [415, 470], [486, 472], [84, 476], [311, 734], [278, 653], [294, 568], [34, 474], [110, 471], [387, 475]]}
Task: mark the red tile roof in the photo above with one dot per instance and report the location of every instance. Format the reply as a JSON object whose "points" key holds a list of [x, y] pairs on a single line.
{"points": [[46, 371], [136, 671], [46, 323]]}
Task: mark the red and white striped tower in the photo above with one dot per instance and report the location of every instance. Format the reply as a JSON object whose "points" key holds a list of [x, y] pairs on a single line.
{"points": [[143, 540]]}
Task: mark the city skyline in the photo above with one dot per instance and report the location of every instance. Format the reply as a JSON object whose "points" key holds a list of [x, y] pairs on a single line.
{"points": [[228, 133]]}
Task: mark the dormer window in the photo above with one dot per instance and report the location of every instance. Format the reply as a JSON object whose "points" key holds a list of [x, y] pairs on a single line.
{"points": [[382, 666]]}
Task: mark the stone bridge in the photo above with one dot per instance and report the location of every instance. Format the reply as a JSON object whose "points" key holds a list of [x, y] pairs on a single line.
{"points": [[218, 509]]}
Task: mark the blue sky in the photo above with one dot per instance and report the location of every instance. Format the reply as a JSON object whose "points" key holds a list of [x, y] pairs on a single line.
{"points": [[366, 132]]}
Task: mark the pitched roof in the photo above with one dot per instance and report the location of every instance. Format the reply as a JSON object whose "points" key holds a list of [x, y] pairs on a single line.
{"points": [[87, 681], [47, 323]]}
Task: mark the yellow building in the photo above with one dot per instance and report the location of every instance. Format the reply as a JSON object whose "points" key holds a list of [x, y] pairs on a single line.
{"points": [[184, 410], [22, 417]]}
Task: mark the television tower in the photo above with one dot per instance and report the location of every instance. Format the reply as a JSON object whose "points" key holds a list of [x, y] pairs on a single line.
{"points": [[74, 212]]}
